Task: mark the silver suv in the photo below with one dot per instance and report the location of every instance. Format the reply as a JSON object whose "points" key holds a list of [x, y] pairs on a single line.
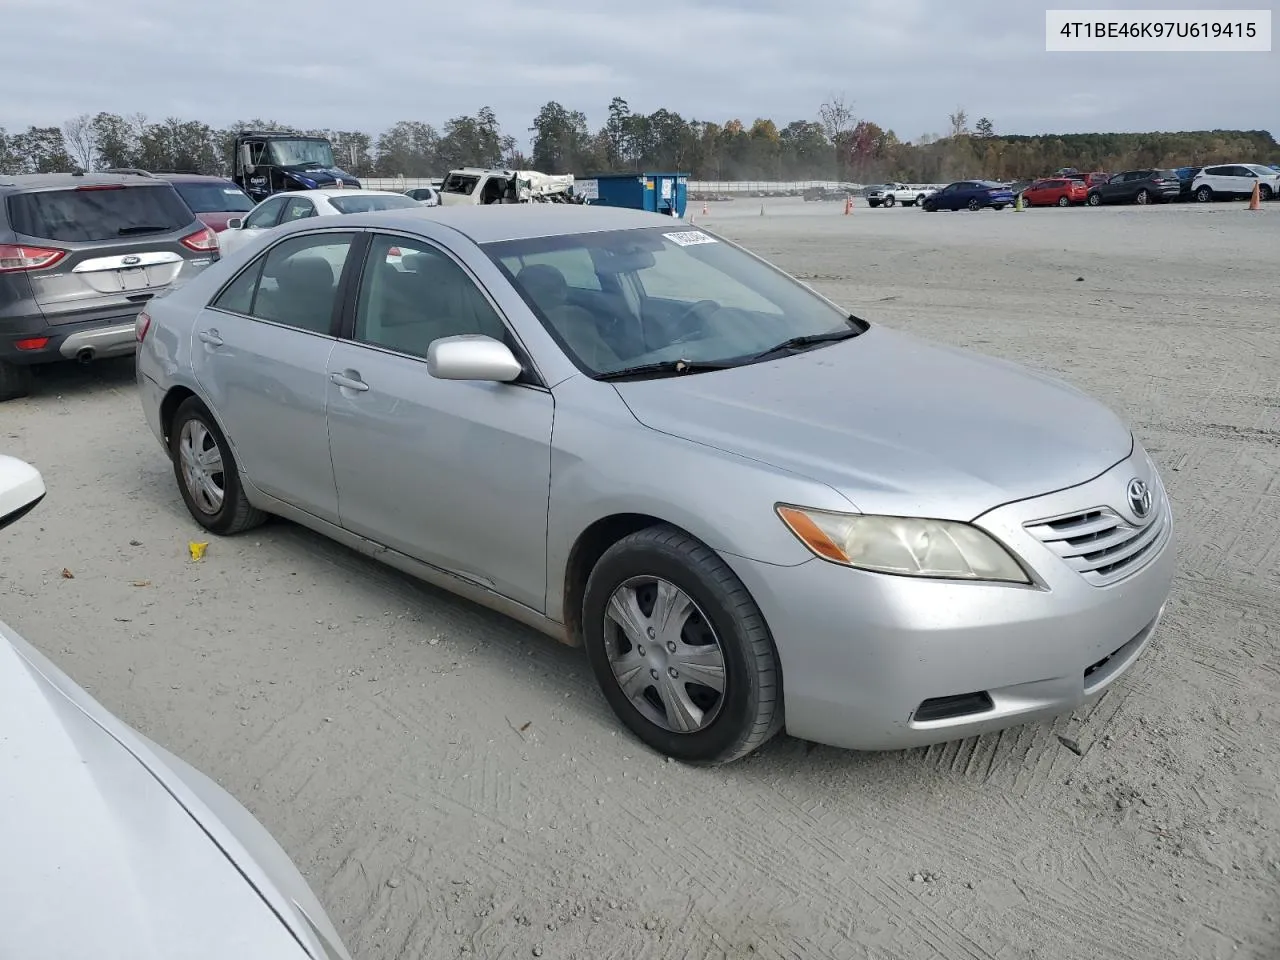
{"points": [[80, 254]]}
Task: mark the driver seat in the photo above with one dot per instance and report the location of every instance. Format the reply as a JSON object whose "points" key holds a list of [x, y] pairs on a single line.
{"points": [[549, 290]]}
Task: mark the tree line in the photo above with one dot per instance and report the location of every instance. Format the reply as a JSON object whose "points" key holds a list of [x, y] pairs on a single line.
{"points": [[834, 145]]}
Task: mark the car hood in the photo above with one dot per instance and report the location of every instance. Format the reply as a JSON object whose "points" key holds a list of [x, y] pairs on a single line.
{"points": [[320, 177], [100, 856], [898, 425]]}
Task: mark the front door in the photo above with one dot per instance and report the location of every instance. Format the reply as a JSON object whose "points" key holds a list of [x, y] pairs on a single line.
{"points": [[261, 353], [454, 473]]}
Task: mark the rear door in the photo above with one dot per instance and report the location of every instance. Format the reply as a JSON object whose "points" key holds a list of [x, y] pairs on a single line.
{"points": [[260, 351], [121, 245]]}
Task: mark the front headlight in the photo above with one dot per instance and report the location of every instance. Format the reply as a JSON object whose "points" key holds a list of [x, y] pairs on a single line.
{"points": [[909, 546]]}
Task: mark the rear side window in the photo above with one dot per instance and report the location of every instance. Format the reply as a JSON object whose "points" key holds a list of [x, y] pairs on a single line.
{"points": [[85, 215]]}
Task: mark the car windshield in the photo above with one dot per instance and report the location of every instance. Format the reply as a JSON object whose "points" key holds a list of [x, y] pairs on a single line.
{"points": [[214, 197], [299, 153], [1259, 168], [97, 212], [358, 202], [628, 298]]}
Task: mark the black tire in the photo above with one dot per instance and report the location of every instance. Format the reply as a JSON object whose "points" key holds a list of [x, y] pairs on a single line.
{"points": [[1094, 200], [1204, 194], [15, 380], [1264, 192], [974, 205], [751, 709], [889, 201], [1142, 197], [1064, 201], [998, 206], [236, 514]]}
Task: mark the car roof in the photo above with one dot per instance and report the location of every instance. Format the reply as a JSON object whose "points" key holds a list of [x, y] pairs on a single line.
{"points": [[490, 223], [191, 178], [53, 181], [333, 192]]}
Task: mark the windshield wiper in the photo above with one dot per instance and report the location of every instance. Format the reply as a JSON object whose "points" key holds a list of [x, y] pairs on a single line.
{"points": [[668, 367], [142, 228], [799, 343]]}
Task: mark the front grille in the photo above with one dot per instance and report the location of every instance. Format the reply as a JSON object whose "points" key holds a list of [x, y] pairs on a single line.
{"points": [[1102, 546]]}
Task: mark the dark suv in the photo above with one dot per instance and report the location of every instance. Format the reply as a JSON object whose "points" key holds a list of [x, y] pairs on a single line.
{"points": [[79, 256], [1136, 186]]}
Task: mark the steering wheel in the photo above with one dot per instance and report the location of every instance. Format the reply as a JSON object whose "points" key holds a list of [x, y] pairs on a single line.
{"points": [[686, 314]]}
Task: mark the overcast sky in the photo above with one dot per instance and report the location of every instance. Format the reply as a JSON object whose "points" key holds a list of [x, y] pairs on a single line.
{"points": [[905, 64]]}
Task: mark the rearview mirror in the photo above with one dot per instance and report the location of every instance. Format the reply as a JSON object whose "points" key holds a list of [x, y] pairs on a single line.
{"points": [[472, 357], [246, 158], [235, 223], [21, 488]]}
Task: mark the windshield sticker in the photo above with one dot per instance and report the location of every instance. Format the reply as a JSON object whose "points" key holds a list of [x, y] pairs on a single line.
{"points": [[232, 191], [688, 238]]}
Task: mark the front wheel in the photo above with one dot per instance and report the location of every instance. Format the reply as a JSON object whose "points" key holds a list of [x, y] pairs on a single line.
{"points": [[1094, 200], [680, 649], [1264, 192], [207, 474], [997, 206], [890, 201]]}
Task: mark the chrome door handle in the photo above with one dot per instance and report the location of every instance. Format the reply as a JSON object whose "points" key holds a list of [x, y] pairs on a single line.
{"points": [[349, 383], [211, 337]]}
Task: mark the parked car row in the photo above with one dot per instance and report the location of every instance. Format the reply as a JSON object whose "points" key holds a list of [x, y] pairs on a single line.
{"points": [[1144, 186]]}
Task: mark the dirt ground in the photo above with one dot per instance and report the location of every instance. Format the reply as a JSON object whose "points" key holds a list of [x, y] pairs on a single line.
{"points": [[452, 784]]}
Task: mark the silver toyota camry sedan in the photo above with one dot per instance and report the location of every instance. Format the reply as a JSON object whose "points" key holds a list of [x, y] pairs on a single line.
{"points": [[754, 510]]}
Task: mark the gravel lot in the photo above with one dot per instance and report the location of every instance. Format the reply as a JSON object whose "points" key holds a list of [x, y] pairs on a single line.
{"points": [[452, 784]]}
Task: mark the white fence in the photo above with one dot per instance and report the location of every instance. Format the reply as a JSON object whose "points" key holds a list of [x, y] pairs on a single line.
{"points": [[745, 187]]}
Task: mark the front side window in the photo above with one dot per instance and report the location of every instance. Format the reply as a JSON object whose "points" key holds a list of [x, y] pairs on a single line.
{"points": [[266, 214], [295, 283], [412, 293], [621, 299]]}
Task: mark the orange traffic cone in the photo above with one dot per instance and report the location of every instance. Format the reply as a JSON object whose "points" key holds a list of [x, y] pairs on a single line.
{"points": [[848, 205], [704, 208], [1255, 201]]}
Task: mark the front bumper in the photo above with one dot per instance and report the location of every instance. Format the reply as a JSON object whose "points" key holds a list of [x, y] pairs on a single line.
{"points": [[862, 653]]}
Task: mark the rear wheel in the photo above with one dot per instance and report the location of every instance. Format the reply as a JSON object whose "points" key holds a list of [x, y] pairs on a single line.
{"points": [[680, 649], [1204, 195], [15, 380], [1143, 197], [974, 205], [207, 474], [1064, 201]]}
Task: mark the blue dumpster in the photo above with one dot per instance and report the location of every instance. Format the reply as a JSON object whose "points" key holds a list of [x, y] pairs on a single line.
{"points": [[655, 192]]}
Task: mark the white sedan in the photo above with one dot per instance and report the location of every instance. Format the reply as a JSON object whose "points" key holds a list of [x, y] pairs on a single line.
{"points": [[290, 205], [110, 846]]}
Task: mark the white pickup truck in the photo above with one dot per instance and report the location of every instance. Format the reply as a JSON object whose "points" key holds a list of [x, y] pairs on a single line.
{"points": [[480, 185], [888, 194]]}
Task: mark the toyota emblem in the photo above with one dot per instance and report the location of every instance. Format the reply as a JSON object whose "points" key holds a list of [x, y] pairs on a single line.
{"points": [[1139, 495]]}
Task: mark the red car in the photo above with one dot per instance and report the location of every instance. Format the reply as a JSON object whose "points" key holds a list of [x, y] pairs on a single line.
{"points": [[214, 200], [1055, 191]]}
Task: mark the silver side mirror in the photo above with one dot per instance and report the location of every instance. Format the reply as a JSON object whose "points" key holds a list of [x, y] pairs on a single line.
{"points": [[235, 223], [21, 488], [472, 357]]}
